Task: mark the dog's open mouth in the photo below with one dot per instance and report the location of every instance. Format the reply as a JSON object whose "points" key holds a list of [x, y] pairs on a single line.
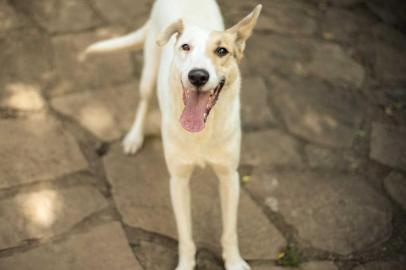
{"points": [[198, 105]]}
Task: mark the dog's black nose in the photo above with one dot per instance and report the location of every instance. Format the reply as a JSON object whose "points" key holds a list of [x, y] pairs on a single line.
{"points": [[198, 77]]}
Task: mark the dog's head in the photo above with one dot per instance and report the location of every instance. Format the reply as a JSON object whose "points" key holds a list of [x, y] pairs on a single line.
{"points": [[206, 61]]}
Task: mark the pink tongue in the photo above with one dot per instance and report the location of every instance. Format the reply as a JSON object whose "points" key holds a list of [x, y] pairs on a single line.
{"points": [[192, 118]]}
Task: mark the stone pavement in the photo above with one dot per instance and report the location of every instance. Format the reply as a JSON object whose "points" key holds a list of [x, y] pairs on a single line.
{"points": [[323, 164]]}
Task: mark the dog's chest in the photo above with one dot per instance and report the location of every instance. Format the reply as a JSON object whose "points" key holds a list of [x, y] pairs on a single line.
{"points": [[203, 148]]}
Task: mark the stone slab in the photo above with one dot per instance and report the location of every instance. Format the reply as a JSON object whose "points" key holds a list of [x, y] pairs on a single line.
{"points": [[388, 145], [330, 63], [105, 247], [287, 17], [277, 54], [153, 256], [270, 147], [45, 213], [36, 148], [206, 261], [9, 19], [106, 113], [255, 111], [389, 64], [133, 13], [316, 265], [317, 112], [141, 192], [60, 15], [320, 157], [382, 266], [33, 47], [74, 74], [338, 213], [344, 25], [395, 185], [345, 3]]}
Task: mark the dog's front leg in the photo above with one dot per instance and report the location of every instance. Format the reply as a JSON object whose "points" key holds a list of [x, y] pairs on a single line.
{"points": [[180, 195], [229, 193]]}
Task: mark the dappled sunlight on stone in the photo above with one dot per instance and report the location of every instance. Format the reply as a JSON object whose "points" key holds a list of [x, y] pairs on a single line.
{"points": [[317, 122], [97, 118], [312, 121], [106, 113], [41, 208], [22, 96]]}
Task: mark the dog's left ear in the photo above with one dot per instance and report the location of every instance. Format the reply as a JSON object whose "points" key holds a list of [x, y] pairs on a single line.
{"points": [[175, 27], [243, 29]]}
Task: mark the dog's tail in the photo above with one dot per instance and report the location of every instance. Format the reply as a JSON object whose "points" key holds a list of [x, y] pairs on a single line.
{"points": [[132, 41]]}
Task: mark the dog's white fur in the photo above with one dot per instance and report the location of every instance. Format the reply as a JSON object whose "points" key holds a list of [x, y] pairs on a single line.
{"points": [[218, 144]]}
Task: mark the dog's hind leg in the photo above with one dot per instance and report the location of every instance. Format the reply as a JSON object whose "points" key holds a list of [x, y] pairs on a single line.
{"points": [[135, 137]]}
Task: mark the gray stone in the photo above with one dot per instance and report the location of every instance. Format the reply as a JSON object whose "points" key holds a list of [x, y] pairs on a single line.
{"points": [[320, 265], [268, 54], [388, 145], [153, 256], [316, 265], [46, 212], [320, 157], [338, 213], [105, 247], [390, 63], [35, 149], [395, 185], [134, 13], [255, 111], [106, 113], [98, 71], [303, 57], [270, 147], [9, 19], [344, 25], [60, 15], [290, 17], [388, 265], [33, 47], [384, 34], [330, 63], [391, 12], [140, 184], [345, 3], [206, 261], [141, 192], [270, 267], [316, 111]]}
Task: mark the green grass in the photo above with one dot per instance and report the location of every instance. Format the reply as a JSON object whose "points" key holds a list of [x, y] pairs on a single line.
{"points": [[289, 257]]}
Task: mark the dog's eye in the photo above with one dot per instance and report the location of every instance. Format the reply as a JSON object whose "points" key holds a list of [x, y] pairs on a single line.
{"points": [[221, 51], [185, 47]]}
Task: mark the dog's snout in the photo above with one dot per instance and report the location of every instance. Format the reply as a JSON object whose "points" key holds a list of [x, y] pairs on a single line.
{"points": [[198, 76]]}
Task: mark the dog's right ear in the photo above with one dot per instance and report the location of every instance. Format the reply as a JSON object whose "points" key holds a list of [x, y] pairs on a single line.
{"points": [[176, 27]]}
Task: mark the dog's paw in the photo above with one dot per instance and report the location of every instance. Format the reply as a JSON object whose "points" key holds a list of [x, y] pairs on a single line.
{"points": [[132, 143], [240, 264]]}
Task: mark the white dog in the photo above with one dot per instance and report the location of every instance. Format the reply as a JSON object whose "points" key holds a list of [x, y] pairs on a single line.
{"points": [[194, 62]]}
